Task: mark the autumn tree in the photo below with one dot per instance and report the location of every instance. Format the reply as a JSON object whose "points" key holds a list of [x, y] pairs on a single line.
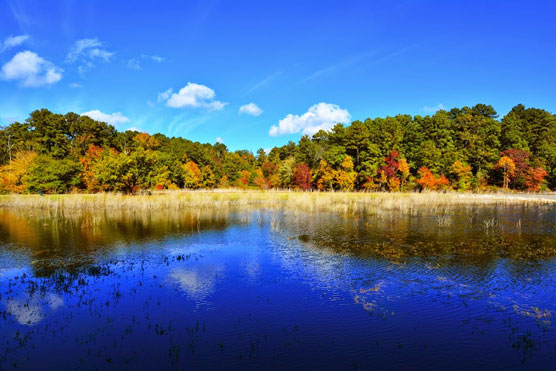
{"points": [[14, 174], [302, 177], [535, 179], [403, 168], [345, 176], [463, 174], [88, 176], [259, 180], [192, 175], [427, 180], [243, 180], [286, 172], [325, 176], [207, 178], [508, 168]]}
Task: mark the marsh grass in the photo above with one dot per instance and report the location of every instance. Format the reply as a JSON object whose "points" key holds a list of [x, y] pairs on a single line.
{"points": [[347, 203]]}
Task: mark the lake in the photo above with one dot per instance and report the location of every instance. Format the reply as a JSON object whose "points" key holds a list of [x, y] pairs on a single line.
{"points": [[467, 287]]}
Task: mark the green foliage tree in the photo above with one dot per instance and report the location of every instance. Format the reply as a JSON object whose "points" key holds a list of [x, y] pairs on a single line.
{"points": [[50, 175]]}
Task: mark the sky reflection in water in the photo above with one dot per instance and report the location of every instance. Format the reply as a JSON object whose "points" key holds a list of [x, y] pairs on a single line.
{"points": [[263, 289]]}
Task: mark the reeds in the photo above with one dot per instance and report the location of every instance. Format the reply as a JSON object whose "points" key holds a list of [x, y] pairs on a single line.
{"points": [[335, 202]]}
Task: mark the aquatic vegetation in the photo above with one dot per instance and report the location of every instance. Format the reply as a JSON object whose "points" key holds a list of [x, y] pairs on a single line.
{"points": [[346, 203]]}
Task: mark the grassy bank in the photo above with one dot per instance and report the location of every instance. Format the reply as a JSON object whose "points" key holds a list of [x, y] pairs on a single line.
{"points": [[339, 202]]}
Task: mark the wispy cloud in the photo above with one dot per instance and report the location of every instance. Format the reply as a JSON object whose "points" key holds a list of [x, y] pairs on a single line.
{"points": [[20, 15], [365, 60], [136, 63], [338, 66], [12, 42], [87, 52], [393, 55], [262, 83]]}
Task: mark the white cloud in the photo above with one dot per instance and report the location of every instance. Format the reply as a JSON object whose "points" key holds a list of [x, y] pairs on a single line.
{"points": [[438, 107], [135, 63], [164, 95], [110, 118], [75, 85], [86, 51], [192, 95], [250, 109], [12, 42], [219, 140], [31, 70], [155, 58], [133, 128], [320, 116]]}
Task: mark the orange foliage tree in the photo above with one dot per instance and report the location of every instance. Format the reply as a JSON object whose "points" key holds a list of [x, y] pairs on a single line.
{"points": [[427, 180], [259, 180], [88, 176], [535, 179], [243, 180]]}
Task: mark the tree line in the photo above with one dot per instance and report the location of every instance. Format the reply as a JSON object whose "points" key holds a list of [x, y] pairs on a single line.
{"points": [[465, 149]]}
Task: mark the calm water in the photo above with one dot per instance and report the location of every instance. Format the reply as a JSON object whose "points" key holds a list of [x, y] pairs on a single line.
{"points": [[469, 287]]}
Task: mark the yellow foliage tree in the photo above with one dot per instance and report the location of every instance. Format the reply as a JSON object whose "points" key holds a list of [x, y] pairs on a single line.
{"points": [[508, 167], [14, 173], [191, 175], [403, 167], [146, 141], [345, 177], [463, 174], [325, 175]]}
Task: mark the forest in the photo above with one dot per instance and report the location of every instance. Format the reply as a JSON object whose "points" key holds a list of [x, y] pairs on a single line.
{"points": [[463, 149]]}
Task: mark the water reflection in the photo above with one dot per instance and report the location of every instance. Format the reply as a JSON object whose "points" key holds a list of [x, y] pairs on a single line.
{"points": [[207, 288], [197, 282]]}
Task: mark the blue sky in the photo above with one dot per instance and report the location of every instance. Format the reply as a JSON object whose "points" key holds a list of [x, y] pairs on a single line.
{"points": [[185, 68]]}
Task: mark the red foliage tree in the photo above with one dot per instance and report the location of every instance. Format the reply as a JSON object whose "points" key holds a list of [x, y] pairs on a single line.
{"points": [[535, 179], [391, 164], [302, 176], [521, 161]]}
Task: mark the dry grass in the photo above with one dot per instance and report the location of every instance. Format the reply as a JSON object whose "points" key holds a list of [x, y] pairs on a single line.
{"points": [[337, 202]]}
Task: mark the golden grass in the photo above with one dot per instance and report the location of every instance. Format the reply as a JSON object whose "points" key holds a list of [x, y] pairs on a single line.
{"points": [[337, 202]]}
